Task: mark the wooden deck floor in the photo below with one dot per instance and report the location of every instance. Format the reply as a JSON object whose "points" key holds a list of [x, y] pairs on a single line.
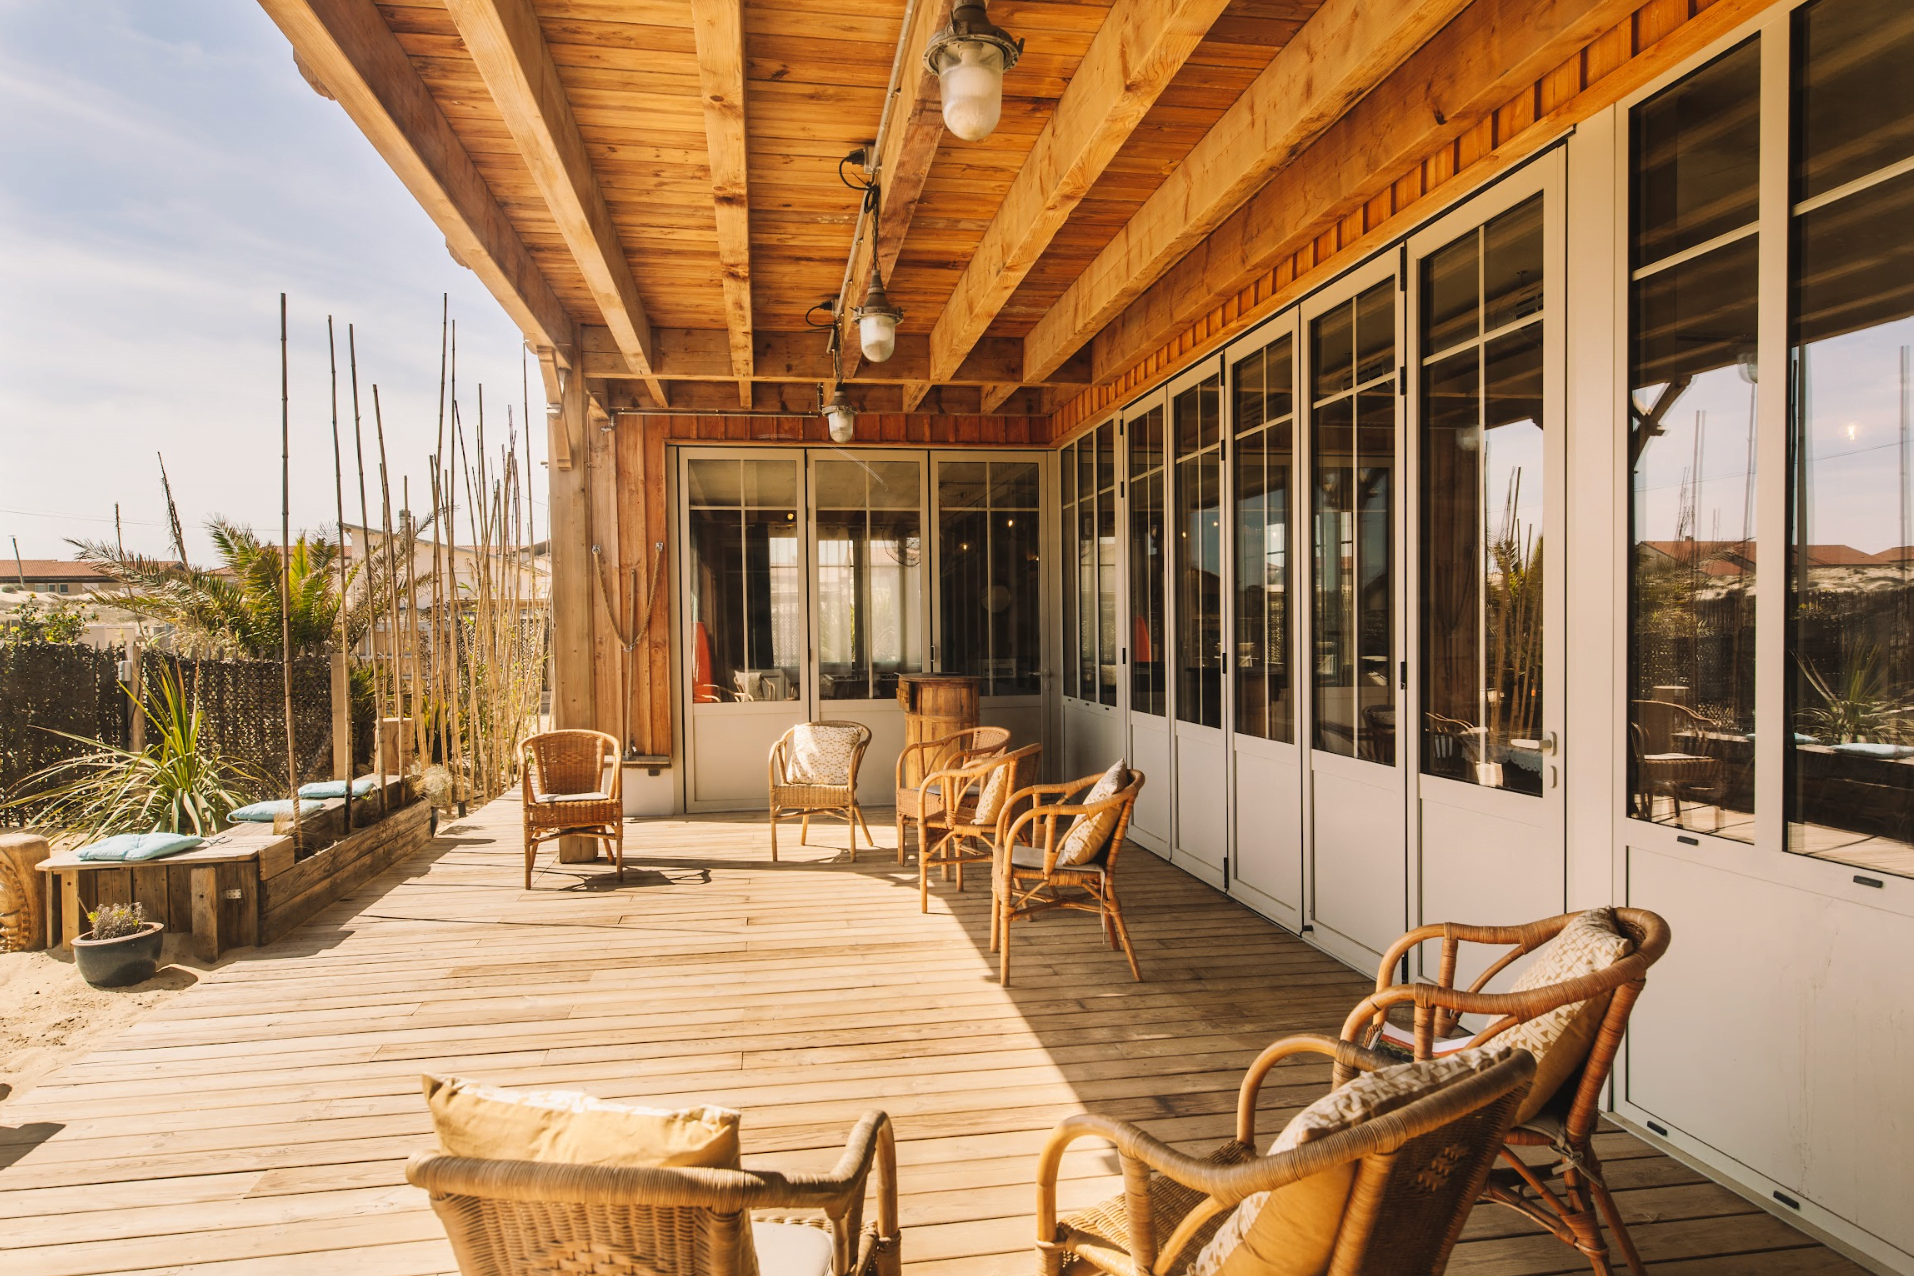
{"points": [[258, 1123]]}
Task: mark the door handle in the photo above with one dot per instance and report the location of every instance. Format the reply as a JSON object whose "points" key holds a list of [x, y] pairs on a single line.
{"points": [[1549, 744]]}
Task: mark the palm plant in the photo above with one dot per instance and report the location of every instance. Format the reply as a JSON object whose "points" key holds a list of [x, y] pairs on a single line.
{"points": [[234, 610], [176, 784], [1858, 704]]}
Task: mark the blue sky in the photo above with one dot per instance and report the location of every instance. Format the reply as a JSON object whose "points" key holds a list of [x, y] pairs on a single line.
{"points": [[167, 173]]}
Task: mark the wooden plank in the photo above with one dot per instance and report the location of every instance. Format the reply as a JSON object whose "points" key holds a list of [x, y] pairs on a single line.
{"points": [[1137, 51], [349, 47], [206, 937], [693, 354], [1339, 55], [719, 27], [509, 49]]}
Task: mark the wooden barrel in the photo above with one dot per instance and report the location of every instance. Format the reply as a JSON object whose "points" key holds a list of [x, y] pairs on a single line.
{"points": [[935, 705]]}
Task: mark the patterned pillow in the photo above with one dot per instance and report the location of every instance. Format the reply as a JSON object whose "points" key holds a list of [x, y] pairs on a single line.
{"points": [[1291, 1231], [1090, 834], [1560, 1039], [821, 754], [996, 791]]}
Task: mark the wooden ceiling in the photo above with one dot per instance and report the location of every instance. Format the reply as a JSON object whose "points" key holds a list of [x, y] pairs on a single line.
{"points": [[652, 187]]}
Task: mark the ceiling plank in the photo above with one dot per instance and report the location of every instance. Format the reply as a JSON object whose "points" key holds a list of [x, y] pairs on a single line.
{"points": [[508, 47], [349, 47], [1341, 53], [719, 28], [1491, 51], [916, 131], [1137, 51], [704, 354]]}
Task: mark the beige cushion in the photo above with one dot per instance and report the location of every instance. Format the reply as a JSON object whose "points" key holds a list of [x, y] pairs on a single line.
{"points": [[1560, 1039], [820, 754], [570, 1128], [791, 1249], [996, 791], [1291, 1231], [1090, 834]]}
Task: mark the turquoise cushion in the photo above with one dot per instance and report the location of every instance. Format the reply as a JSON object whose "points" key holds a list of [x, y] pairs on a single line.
{"points": [[264, 812], [139, 846], [337, 788]]}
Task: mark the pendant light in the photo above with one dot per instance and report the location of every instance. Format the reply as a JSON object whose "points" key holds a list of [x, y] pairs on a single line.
{"points": [[969, 58], [877, 320], [841, 417]]}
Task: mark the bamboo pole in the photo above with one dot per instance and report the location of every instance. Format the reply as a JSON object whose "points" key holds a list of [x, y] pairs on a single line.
{"points": [[392, 579], [285, 568], [372, 597], [339, 506], [410, 523]]}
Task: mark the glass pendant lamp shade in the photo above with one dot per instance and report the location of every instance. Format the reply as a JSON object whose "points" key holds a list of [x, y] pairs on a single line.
{"points": [[969, 58], [841, 416], [877, 323]]}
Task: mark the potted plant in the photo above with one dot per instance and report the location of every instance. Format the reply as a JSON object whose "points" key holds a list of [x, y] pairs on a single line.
{"points": [[123, 948]]}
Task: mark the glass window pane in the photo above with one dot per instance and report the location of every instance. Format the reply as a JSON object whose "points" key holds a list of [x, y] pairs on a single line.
{"points": [[1146, 637], [1375, 572], [1452, 295], [1850, 773], [1692, 433], [990, 603], [1106, 457], [1332, 348], [1106, 593], [1854, 96], [1333, 540], [1696, 154], [1262, 464], [1067, 476], [1250, 404], [747, 585], [1199, 555], [771, 485], [1086, 588], [716, 482], [1452, 638], [869, 587], [1376, 332], [1512, 266]]}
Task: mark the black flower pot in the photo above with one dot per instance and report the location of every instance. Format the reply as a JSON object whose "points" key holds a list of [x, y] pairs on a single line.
{"points": [[120, 962]]}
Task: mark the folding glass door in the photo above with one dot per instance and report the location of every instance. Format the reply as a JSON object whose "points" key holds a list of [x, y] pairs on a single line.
{"points": [[1148, 633], [1093, 654], [1200, 758]]}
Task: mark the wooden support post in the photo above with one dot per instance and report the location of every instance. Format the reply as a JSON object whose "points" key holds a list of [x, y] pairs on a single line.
{"points": [[135, 691], [574, 696], [341, 718], [206, 912]]}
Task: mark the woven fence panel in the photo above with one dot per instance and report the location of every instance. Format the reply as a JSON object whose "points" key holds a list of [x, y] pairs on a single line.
{"points": [[46, 688], [242, 707]]}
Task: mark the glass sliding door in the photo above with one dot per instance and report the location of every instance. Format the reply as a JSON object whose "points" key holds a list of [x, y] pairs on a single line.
{"points": [[1092, 652], [1147, 632], [989, 603], [1359, 887], [1201, 760]]}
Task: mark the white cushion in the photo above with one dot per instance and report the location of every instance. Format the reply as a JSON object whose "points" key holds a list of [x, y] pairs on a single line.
{"points": [[820, 754], [791, 1249], [1590, 943], [571, 1128], [1090, 834]]}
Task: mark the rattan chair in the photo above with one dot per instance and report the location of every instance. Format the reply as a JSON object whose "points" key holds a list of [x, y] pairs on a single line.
{"points": [[572, 786], [955, 833], [526, 1218], [1663, 768], [951, 752], [1028, 880], [807, 799], [1419, 1169], [1568, 1122]]}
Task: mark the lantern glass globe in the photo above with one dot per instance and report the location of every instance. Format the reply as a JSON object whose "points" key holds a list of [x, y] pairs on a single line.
{"points": [[971, 82], [877, 335]]}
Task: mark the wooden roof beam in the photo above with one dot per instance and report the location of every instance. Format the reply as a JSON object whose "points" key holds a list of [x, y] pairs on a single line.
{"points": [[1135, 54], [349, 47], [718, 26], [704, 354], [1342, 52], [508, 47], [916, 132], [1475, 64]]}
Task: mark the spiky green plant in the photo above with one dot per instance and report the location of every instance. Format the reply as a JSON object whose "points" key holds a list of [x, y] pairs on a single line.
{"points": [[1859, 703], [177, 784]]}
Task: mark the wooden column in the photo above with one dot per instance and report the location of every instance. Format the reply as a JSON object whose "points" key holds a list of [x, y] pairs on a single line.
{"points": [[643, 522], [610, 584], [341, 717], [136, 692], [574, 700]]}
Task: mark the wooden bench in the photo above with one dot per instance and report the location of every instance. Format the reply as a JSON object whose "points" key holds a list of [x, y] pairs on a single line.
{"points": [[245, 886]]}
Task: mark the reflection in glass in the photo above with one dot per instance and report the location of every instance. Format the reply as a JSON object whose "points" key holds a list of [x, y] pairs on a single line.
{"points": [[869, 588], [989, 581], [1067, 501], [1696, 155], [1264, 458], [1147, 690], [1850, 768], [1482, 505], [1352, 533], [747, 584], [1199, 552], [1089, 515], [1854, 98]]}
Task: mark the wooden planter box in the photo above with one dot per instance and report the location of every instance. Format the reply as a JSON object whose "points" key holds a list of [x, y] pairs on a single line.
{"points": [[244, 888]]}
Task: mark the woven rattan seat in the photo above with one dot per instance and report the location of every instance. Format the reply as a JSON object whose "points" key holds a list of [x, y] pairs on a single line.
{"points": [[1418, 1170], [797, 795], [573, 786], [1574, 1211], [957, 834], [928, 757], [525, 1218], [1028, 878]]}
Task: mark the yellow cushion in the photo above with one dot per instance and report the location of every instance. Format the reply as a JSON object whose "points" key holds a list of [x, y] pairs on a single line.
{"points": [[1560, 1039], [1291, 1231], [996, 791], [1090, 834], [570, 1128]]}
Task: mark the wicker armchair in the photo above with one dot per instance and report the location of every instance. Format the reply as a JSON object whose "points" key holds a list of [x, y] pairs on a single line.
{"points": [[572, 786], [795, 795], [1663, 768], [526, 1218], [1418, 1170], [951, 752], [955, 831], [1029, 879], [1568, 1121]]}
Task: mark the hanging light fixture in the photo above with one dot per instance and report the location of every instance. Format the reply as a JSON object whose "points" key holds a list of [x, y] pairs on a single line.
{"points": [[841, 416], [877, 320], [969, 58]]}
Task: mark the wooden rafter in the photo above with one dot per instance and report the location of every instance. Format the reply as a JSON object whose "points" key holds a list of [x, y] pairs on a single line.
{"points": [[995, 396], [349, 47], [508, 47], [704, 354], [1491, 50], [1340, 54], [1137, 51], [719, 28], [917, 129]]}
